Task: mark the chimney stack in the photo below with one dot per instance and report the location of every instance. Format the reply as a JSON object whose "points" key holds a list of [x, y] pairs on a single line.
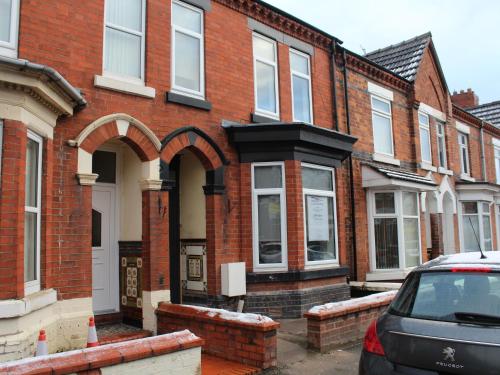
{"points": [[465, 99]]}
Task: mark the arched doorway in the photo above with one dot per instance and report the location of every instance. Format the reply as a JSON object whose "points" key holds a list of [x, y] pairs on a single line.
{"points": [[448, 224]]}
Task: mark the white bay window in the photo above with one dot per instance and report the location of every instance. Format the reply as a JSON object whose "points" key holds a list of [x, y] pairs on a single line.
{"points": [[265, 76], [9, 27], [187, 50], [301, 86], [320, 215], [269, 216], [476, 226], [124, 40], [32, 216], [382, 126]]}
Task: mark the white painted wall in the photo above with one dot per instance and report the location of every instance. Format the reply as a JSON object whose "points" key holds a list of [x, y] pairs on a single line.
{"points": [[192, 198], [130, 196]]}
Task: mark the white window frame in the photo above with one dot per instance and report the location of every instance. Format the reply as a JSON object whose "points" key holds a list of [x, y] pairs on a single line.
{"points": [[306, 77], [322, 193], [34, 285], [201, 39], [400, 216], [9, 49], [496, 153], [497, 220], [283, 266], [386, 115], [274, 64], [426, 127], [441, 144], [141, 34], [480, 214], [464, 164]]}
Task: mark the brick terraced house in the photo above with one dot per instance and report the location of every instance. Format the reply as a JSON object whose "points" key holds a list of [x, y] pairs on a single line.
{"points": [[198, 151]]}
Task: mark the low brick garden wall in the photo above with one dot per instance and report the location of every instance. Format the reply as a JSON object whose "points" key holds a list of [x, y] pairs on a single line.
{"points": [[176, 353], [245, 338], [339, 324]]}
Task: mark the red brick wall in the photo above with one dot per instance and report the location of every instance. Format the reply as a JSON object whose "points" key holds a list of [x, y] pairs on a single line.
{"points": [[465, 99]]}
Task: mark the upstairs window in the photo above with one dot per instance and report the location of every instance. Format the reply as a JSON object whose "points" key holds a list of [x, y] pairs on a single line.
{"points": [[441, 145], [265, 76], [497, 163], [301, 86], [382, 126], [124, 41], [187, 50], [425, 138], [463, 147], [9, 27]]}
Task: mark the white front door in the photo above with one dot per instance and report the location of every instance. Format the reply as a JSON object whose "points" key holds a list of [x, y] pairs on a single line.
{"points": [[104, 250]]}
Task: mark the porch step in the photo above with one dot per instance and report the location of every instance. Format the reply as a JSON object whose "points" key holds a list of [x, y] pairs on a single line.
{"points": [[211, 365], [113, 333]]}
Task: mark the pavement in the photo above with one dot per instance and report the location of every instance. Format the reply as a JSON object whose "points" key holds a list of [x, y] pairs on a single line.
{"points": [[294, 358]]}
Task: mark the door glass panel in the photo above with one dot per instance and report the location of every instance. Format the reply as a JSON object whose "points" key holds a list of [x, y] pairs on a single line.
{"points": [[96, 228], [269, 207], [104, 164]]}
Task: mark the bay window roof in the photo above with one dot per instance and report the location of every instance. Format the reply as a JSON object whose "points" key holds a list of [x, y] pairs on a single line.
{"points": [[375, 176]]}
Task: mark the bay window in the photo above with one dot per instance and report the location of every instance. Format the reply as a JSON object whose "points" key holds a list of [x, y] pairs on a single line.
{"points": [[32, 215], [441, 145], [395, 228], [497, 163], [265, 76], [301, 86], [382, 126], [463, 148], [9, 27], [425, 138], [269, 216], [187, 50], [124, 40], [476, 226], [320, 215]]}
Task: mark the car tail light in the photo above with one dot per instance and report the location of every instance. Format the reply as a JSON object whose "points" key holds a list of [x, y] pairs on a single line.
{"points": [[471, 269], [372, 343]]}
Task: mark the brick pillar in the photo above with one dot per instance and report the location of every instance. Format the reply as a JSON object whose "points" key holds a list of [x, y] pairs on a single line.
{"points": [[155, 254], [215, 241], [295, 214], [12, 210], [436, 235]]}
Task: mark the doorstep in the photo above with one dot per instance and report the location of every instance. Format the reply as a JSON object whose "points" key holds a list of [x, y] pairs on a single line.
{"points": [[113, 333], [211, 365]]}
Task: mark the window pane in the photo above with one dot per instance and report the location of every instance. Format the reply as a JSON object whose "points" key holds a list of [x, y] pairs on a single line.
{"points": [[486, 208], [469, 207], [187, 61], [318, 179], [123, 53], [384, 203], [320, 228], [267, 177], [264, 49], [104, 164], [301, 99], [410, 204], [442, 152], [386, 243], [412, 248], [465, 166], [299, 63], [381, 106], [266, 89], [382, 136], [31, 191], [5, 20], [125, 13], [30, 246], [186, 18], [471, 232], [425, 144], [96, 228], [423, 119], [269, 211], [487, 233]]}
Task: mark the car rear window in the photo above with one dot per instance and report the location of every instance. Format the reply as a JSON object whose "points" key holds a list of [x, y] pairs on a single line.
{"points": [[440, 295]]}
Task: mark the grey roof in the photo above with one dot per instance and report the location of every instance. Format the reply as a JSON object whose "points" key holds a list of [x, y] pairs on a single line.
{"points": [[489, 112], [401, 174], [403, 58]]}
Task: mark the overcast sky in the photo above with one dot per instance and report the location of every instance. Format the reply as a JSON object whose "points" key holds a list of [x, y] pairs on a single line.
{"points": [[466, 33]]}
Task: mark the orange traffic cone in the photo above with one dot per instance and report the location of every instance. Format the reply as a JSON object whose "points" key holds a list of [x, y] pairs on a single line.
{"points": [[41, 346], [92, 337]]}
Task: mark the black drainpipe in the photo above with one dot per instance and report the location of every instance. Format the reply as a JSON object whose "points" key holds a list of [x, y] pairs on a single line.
{"points": [[351, 168], [333, 76]]}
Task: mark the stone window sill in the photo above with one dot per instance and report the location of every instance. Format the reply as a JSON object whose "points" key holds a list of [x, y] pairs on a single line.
{"points": [[262, 119], [428, 167], [466, 177], [124, 86], [388, 275], [445, 171], [386, 159], [173, 97], [12, 308]]}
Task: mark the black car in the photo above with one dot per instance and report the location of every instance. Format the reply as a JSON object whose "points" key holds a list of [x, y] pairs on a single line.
{"points": [[444, 320]]}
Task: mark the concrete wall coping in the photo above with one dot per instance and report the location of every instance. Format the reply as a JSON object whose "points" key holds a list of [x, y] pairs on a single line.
{"points": [[12, 308]]}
